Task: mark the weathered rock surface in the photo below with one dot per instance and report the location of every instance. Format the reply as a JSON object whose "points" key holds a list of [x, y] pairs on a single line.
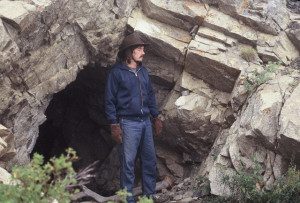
{"points": [[209, 61], [260, 117], [294, 5], [43, 47], [167, 41], [194, 120], [278, 48], [5, 177], [255, 134], [289, 136], [18, 13], [7, 148], [236, 148], [293, 32], [266, 16], [181, 14], [230, 26]]}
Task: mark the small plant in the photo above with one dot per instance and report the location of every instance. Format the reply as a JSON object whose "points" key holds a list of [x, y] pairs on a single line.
{"points": [[202, 185], [293, 84], [38, 183], [248, 186], [243, 184], [123, 194], [287, 187], [216, 153], [145, 199], [261, 78], [273, 66], [248, 54]]}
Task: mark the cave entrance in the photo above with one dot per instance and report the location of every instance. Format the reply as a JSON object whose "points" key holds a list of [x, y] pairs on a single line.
{"points": [[76, 119]]}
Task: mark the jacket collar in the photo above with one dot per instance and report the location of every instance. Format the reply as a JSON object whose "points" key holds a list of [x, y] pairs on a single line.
{"points": [[124, 66]]}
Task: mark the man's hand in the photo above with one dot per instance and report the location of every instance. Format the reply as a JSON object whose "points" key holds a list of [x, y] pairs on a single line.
{"points": [[158, 126], [116, 133]]}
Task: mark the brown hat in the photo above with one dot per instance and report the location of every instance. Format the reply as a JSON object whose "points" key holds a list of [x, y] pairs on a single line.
{"points": [[129, 41]]}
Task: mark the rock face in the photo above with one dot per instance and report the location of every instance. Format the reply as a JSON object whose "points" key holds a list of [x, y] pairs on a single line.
{"points": [[267, 16], [194, 120], [5, 177], [294, 5], [219, 101], [7, 146], [181, 14], [293, 32], [257, 132], [288, 136], [43, 47]]}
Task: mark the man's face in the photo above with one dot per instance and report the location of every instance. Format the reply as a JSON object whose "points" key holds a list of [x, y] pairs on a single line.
{"points": [[138, 53]]}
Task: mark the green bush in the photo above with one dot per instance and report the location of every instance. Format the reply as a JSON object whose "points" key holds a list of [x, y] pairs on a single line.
{"points": [[248, 54], [202, 184], [294, 84], [248, 186], [261, 78], [38, 183], [287, 188], [123, 194]]}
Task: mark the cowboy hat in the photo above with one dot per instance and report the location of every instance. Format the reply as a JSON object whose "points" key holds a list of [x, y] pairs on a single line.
{"points": [[129, 41]]}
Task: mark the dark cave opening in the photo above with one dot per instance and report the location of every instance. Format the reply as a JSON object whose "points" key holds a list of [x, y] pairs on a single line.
{"points": [[75, 118]]}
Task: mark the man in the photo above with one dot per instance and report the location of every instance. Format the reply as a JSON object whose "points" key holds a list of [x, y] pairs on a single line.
{"points": [[129, 101]]}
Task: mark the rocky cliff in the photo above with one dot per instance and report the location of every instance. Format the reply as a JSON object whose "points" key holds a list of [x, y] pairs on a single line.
{"points": [[222, 95]]}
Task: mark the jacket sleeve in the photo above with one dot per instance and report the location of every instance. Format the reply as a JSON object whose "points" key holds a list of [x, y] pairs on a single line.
{"points": [[110, 97], [152, 101]]}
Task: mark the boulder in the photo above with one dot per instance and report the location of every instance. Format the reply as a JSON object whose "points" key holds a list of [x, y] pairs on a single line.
{"points": [[192, 121]]}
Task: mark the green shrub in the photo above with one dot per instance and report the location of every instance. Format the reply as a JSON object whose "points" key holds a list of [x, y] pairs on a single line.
{"points": [[123, 194], [248, 186], [248, 54], [287, 188], [261, 78], [144, 199], [202, 184], [38, 183], [294, 84]]}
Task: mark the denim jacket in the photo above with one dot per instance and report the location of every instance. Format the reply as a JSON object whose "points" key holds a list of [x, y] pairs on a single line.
{"points": [[128, 94]]}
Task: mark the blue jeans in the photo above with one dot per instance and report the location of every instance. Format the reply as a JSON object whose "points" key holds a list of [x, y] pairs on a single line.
{"points": [[137, 136]]}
